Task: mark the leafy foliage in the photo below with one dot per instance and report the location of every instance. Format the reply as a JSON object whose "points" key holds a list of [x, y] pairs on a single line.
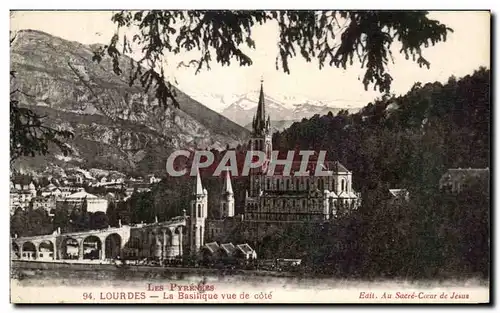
{"points": [[331, 37], [405, 142]]}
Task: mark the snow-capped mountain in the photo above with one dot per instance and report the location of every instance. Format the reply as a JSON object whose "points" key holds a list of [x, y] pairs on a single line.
{"points": [[280, 108]]}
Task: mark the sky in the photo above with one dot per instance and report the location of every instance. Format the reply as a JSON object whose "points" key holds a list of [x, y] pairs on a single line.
{"points": [[465, 50]]}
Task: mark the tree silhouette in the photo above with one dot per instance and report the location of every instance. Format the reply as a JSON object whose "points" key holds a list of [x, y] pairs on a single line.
{"points": [[112, 213], [99, 220], [333, 38]]}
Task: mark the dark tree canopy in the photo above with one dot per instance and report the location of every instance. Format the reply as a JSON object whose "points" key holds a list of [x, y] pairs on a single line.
{"points": [[333, 38]]}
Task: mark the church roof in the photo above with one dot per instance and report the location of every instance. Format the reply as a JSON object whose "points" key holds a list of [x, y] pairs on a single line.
{"points": [[229, 248], [81, 194], [332, 166]]}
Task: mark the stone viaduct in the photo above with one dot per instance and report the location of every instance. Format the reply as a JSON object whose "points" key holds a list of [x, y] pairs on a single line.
{"points": [[163, 240]]}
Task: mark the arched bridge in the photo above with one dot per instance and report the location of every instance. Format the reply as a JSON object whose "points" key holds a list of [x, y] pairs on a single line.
{"points": [[162, 240]]}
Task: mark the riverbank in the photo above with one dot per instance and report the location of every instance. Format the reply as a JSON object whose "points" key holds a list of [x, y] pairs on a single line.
{"points": [[19, 268]]}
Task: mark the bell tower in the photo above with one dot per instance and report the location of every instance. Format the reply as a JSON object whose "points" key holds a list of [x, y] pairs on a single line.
{"points": [[261, 139], [261, 127], [198, 215], [227, 199]]}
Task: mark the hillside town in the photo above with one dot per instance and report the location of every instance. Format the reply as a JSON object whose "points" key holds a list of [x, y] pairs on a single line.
{"points": [[49, 193]]}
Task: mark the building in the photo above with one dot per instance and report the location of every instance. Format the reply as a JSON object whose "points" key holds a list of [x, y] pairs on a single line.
{"points": [[45, 203], [21, 196], [456, 180], [281, 197], [219, 229], [69, 190], [244, 251], [152, 179], [81, 199], [227, 253], [198, 216], [271, 200], [398, 196], [51, 190]]}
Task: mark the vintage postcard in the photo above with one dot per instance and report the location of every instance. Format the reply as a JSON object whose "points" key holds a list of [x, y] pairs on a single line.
{"points": [[250, 157]]}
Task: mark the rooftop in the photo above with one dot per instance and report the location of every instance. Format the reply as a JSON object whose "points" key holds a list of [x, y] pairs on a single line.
{"points": [[245, 248], [229, 248], [213, 247], [80, 195]]}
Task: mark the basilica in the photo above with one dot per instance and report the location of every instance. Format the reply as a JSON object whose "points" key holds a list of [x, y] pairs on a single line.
{"points": [[292, 197], [277, 198]]}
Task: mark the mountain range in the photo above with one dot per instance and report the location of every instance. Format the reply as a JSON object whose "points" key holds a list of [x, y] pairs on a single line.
{"points": [[116, 126], [283, 110]]}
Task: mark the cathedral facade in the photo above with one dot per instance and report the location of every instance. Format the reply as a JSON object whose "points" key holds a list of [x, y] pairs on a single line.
{"points": [[272, 199], [278, 197]]}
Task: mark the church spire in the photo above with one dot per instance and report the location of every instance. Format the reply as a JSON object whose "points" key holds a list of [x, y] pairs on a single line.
{"points": [[228, 188], [198, 188], [261, 110], [259, 123]]}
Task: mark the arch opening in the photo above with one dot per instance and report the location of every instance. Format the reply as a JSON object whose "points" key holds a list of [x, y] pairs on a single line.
{"points": [[92, 248], [134, 248], [112, 245], [70, 249], [29, 251], [46, 250]]}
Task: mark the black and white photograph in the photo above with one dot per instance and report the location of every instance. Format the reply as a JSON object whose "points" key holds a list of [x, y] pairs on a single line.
{"points": [[250, 156]]}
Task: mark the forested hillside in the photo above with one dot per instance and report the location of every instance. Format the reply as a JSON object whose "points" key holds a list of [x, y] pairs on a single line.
{"points": [[407, 141], [404, 142]]}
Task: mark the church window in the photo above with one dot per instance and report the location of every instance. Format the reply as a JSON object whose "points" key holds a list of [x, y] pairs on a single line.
{"points": [[199, 210], [307, 184], [278, 184], [342, 188], [297, 184], [268, 184], [288, 184]]}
